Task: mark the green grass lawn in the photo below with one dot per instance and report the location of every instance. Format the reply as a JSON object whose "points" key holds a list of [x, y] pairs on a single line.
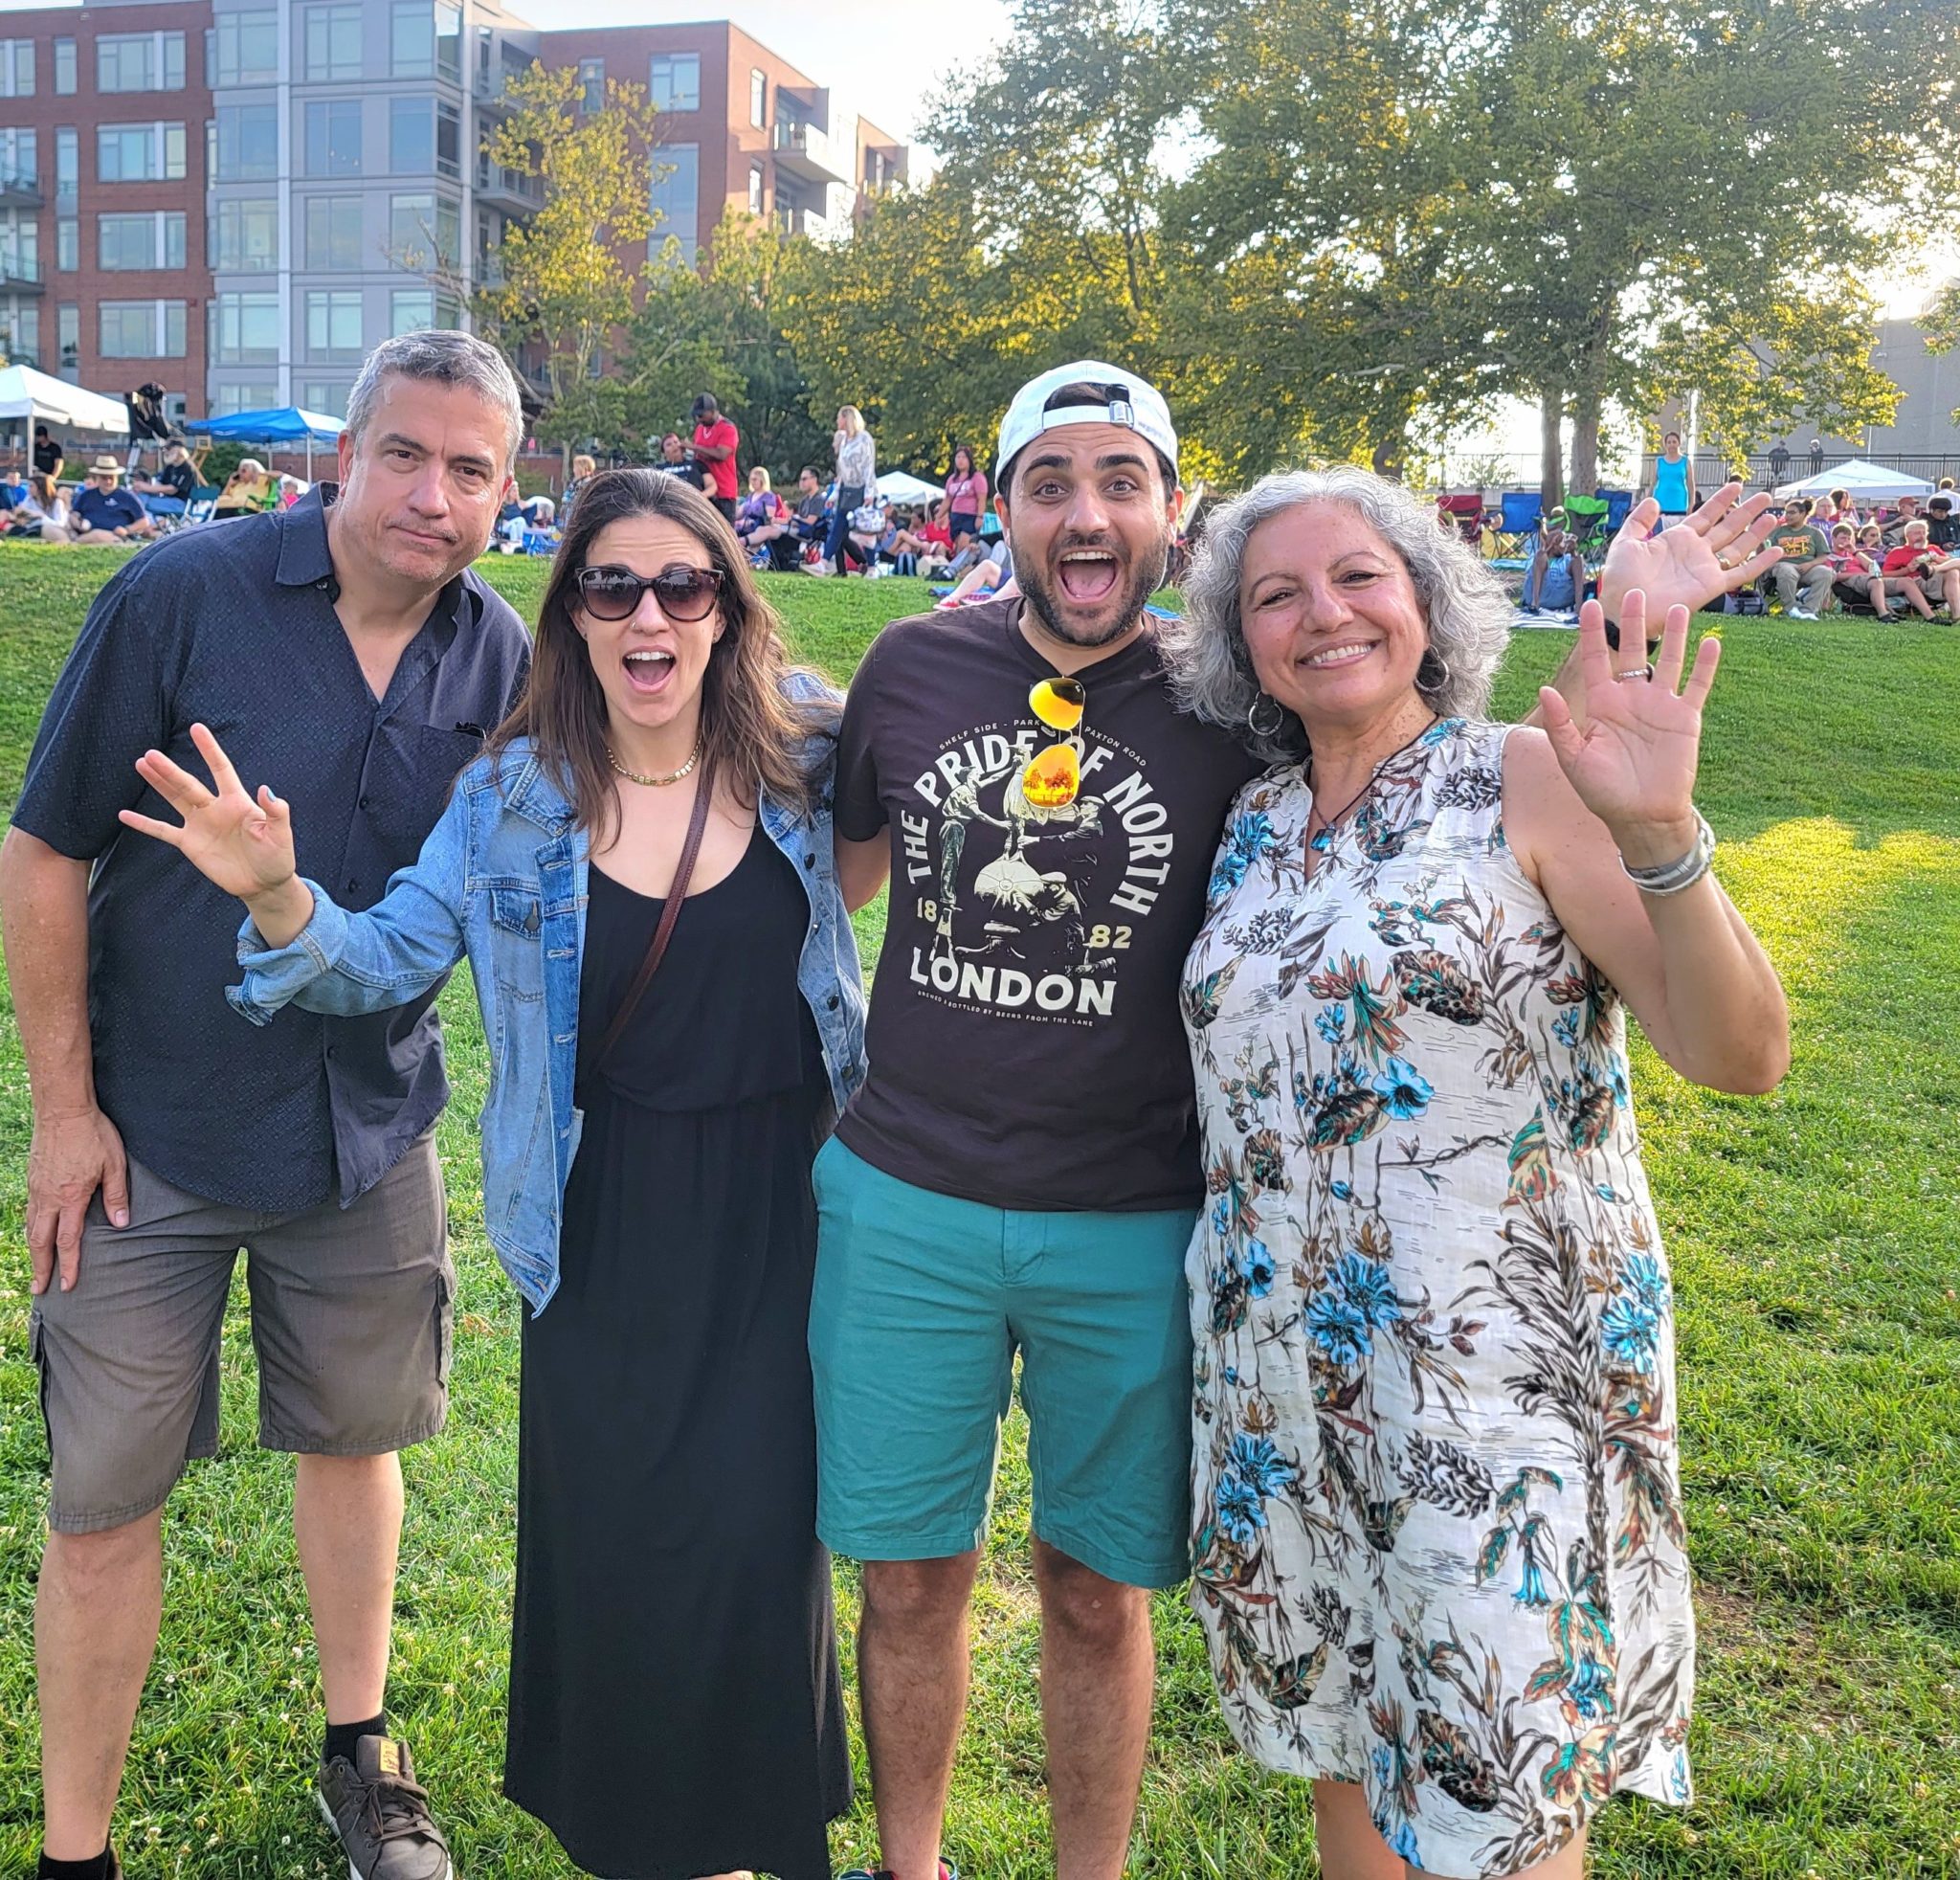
{"points": [[1816, 1239]]}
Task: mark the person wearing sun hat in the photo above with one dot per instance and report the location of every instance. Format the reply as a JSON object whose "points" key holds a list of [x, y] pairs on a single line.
{"points": [[104, 513], [1019, 1173]]}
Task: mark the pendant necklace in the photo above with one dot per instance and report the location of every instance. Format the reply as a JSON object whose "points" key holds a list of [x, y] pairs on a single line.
{"points": [[1320, 829], [653, 783]]}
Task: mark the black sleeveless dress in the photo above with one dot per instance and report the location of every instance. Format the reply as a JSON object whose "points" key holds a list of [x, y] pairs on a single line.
{"points": [[674, 1701]]}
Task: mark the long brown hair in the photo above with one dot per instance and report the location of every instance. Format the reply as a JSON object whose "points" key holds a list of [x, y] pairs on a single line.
{"points": [[756, 736]]}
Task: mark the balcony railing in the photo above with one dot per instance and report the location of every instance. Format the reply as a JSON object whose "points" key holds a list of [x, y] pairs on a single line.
{"points": [[14, 272], [21, 186]]}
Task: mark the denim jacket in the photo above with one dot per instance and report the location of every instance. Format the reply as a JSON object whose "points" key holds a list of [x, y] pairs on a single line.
{"points": [[502, 880]]}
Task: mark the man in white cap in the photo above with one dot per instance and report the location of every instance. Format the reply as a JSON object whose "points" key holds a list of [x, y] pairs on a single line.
{"points": [[1020, 1175], [104, 513]]}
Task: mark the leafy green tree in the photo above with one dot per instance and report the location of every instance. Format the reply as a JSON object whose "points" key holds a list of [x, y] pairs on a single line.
{"points": [[1576, 187], [570, 274], [719, 329]]}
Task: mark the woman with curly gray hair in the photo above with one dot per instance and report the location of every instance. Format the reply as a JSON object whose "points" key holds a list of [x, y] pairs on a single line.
{"points": [[1438, 1549]]}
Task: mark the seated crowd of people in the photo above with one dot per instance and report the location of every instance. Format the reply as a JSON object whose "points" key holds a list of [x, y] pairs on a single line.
{"points": [[1894, 558], [111, 507]]}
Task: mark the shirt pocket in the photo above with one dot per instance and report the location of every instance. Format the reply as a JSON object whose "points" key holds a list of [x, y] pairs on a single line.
{"points": [[517, 926]]}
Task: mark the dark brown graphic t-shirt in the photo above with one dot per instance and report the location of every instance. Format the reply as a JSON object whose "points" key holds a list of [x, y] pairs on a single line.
{"points": [[1025, 1044]]}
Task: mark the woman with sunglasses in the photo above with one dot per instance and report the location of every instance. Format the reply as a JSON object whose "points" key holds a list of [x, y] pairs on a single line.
{"points": [[665, 783]]}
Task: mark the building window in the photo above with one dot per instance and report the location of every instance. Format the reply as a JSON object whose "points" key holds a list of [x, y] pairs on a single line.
{"points": [[64, 68], [139, 61], [228, 395], [424, 232], [68, 338], [18, 68], [248, 142], [333, 233], [20, 157], [145, 241], [327, 396], [20, 250], [674, 81], [245, 49], [20, 336], [411, 39], [758, 98], [245, 236], [675, 197], [141, 329], [333, 43], [333, 137], [449, 141], [755, 188], [67, 163], [449, 41], [410, 309], [592, 86], [139, 153], [246, 329], [412, 136], [67, 243], [333, 323]]}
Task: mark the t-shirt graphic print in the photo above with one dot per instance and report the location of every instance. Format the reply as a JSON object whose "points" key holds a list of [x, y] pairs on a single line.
{"points": [[1026, 1048]]}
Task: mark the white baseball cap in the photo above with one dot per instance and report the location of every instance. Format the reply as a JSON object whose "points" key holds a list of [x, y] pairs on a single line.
{"points": [[1131, 403]]}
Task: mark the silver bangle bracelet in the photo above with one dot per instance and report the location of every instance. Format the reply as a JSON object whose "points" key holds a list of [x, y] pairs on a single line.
{"points": [[1673, 877]]}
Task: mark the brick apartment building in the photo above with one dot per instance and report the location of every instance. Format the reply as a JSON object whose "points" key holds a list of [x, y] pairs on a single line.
{"points": [[240, 200]]}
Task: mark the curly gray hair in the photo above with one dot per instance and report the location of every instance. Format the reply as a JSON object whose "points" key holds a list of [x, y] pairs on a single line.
{"points": [[1464, 604]]}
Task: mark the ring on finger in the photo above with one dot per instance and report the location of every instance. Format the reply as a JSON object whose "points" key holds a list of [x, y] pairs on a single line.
{"points": [[1637, 672]]}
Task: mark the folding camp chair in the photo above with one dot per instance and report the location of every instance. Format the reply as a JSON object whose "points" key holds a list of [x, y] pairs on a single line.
{"points": [[1465, 510], [1584, 518], [1619, 504], [203, 504], [1517, 533]]}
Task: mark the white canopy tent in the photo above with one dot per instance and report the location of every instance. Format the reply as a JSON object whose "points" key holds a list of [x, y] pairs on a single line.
{"points": [[1861, 478], [31, 397], [898, 487]]}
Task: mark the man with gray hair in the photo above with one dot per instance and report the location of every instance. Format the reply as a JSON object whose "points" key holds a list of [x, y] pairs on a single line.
{"points": [[350, 655]]}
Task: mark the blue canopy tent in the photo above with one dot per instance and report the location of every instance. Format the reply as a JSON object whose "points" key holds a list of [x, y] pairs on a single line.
{"points": [[282, 424]]}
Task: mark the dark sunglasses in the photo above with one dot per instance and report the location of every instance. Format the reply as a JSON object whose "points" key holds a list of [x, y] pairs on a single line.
{"points": [[614, 594]]}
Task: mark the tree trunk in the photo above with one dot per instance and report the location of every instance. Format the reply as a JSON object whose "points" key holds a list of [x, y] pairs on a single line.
{"points": [[1552, 476], [1586, 441], [1388, 455]]}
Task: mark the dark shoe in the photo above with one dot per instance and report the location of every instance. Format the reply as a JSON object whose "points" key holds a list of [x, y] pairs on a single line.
{"points": [[947, 1871], [380, 1814]]}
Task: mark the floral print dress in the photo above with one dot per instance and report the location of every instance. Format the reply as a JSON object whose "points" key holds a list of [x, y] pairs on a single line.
{"points": [[1438, 1545]]}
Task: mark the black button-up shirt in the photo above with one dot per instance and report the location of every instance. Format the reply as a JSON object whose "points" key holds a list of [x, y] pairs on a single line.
{"points": [[233, 626]]}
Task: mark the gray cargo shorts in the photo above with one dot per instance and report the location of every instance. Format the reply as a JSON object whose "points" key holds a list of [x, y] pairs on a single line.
{"points": [[350, 1318]]}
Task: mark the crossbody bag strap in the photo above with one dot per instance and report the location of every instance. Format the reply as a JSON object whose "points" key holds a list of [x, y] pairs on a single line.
{"points": [[683, 874]]}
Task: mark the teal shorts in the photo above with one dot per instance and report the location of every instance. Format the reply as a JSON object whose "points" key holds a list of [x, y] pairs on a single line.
{"points": [[921, 1302]]}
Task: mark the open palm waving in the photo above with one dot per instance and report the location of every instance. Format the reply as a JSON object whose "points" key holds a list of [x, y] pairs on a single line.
{"points": [[242, 843], [1718, 549], [1632, 752]]}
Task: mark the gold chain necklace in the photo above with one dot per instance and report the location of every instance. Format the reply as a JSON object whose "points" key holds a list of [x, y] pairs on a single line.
{"points": [[653, 783]]}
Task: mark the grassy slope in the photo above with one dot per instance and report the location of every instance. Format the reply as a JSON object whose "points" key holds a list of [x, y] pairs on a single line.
{"points": [[1816, 1237]]}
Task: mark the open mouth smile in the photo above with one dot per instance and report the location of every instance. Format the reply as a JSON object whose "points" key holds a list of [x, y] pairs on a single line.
{"points": [[649, 669], [1088, 576]]}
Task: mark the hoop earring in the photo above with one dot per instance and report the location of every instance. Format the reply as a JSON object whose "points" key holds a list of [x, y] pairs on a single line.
{"points": [[1251, 718], [1434, 681]]}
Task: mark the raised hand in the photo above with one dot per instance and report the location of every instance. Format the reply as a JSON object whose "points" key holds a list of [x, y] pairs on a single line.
{"points": [[1632, 752], [1718, 549], [242, 843]]}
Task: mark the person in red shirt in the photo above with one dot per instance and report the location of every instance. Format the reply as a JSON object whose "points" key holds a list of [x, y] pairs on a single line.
{"points": [[714, 446], [1916, 567]]}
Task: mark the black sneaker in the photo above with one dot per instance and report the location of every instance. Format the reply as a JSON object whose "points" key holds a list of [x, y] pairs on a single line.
{"points": [[380, 1814]]}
